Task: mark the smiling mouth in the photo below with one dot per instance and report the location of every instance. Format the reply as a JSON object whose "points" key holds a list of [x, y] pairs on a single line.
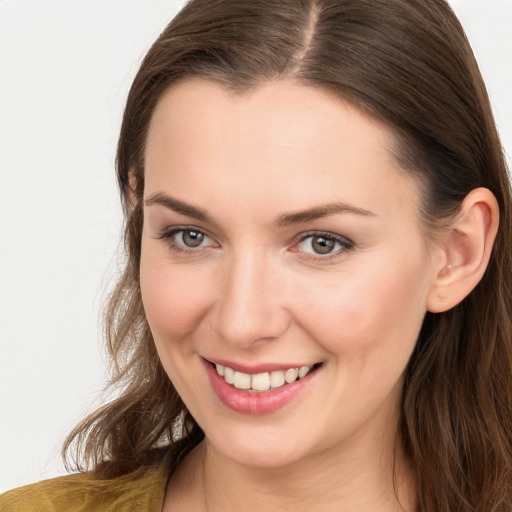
{"points": [[266, 381]]}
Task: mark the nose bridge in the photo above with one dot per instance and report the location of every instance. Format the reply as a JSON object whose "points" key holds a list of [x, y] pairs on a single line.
{"points": [[250, 307]]}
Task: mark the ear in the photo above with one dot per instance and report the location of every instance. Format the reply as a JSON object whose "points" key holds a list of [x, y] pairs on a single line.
{"points": [[466, 248]]}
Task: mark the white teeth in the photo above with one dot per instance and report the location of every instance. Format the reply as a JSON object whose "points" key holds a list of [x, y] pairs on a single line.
{"points": [[242, 380], [303, 371], [291, 375], [276, 379], [229, 375], [261, 381]]}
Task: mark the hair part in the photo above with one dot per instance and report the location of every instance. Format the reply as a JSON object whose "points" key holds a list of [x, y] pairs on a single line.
{"points": [[408, 64]]}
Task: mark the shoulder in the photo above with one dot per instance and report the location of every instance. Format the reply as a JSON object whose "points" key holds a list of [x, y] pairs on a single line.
{"points": [[142, 490]]}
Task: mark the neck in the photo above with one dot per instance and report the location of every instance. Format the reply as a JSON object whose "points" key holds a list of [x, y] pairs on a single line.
{"points": [[346, 478]]}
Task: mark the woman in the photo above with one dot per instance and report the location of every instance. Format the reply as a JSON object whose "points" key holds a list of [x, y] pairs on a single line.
{"points": [[316, 308]]}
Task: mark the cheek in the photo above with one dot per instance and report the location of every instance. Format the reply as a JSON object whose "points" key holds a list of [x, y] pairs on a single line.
{"points": [[369, 311], [175, 297]]}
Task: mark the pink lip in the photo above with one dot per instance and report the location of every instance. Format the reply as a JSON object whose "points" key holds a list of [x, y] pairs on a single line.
{"points": [[240, 400]]}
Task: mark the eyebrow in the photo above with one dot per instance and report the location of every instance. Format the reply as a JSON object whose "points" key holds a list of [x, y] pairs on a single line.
{"points": [[319, 212], [286, 219], [178, 206]]}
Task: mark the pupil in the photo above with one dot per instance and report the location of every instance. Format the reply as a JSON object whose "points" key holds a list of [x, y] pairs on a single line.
{"points": [[322, 245], [192, 238]]}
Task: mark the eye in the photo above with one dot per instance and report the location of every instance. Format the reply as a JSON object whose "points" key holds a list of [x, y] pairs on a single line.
{"points": [[182, 238], [323, 244], [191, 238]]}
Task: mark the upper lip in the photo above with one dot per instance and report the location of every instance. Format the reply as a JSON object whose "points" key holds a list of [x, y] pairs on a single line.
{"points": [[253, 369]]}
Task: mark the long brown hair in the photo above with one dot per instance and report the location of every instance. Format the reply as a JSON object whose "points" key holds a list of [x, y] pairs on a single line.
{"points": [[408, 64]]}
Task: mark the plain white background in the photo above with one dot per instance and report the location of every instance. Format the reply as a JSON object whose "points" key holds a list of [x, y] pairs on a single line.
{"points": [[65, 69]]}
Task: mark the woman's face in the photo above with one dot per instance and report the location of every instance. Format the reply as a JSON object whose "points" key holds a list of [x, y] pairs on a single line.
{"points": [[279, 235]]}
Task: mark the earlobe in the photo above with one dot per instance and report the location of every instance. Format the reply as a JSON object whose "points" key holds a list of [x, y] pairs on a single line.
{"points": [[467, 246]]}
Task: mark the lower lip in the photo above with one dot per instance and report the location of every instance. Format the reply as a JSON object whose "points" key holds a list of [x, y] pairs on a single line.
{"points": [[240, 400]]}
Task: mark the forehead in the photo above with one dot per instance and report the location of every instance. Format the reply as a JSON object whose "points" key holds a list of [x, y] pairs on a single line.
{"points": [[280, 141], [284, 112]]}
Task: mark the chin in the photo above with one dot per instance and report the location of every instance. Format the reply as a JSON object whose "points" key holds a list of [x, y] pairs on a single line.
{"points": [[267, 449], [265, 458]]}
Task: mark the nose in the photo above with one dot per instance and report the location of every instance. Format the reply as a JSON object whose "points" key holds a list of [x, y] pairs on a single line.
{"points": [[251, 308]]}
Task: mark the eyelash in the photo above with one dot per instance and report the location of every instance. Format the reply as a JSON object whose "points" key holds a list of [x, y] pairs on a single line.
{"points": [[344, 243], [168, 236]]}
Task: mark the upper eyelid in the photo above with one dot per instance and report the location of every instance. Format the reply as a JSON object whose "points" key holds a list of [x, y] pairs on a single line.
{"points": [[300, 237], [326, 234], [346, 245], [171, 230], [181, 249]]}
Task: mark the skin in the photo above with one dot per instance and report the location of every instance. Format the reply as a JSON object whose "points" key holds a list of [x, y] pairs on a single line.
{"points": [[256, 292]]}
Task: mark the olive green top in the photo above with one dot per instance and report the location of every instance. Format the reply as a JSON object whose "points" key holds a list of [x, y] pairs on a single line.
{"points": [[141, 491]]}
